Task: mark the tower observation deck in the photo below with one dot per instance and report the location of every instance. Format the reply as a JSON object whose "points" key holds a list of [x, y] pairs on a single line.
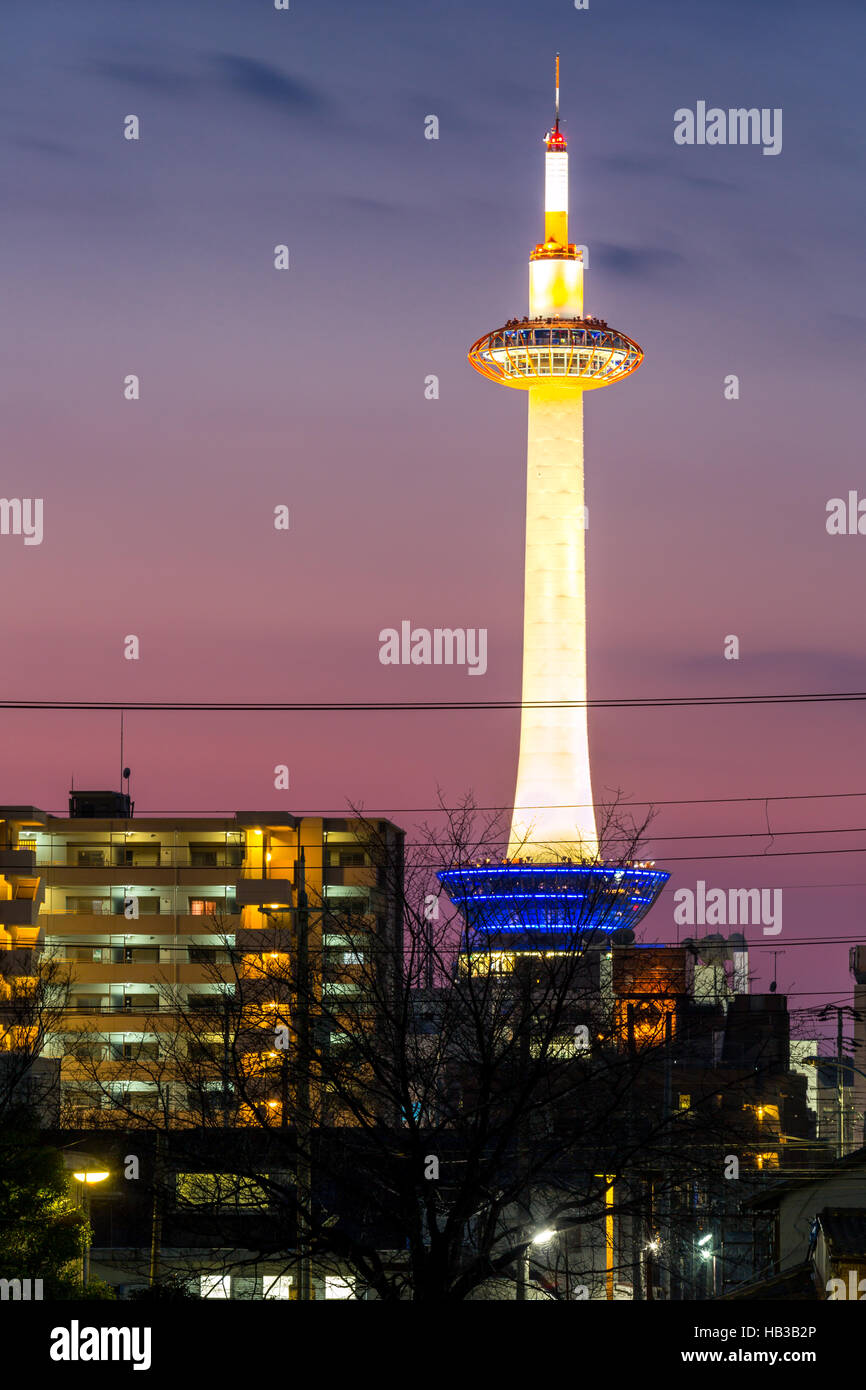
{"points": [[555, 869]]}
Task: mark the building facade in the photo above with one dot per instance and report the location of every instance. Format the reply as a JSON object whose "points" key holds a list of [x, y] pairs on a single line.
{"points": [[149, 922]]}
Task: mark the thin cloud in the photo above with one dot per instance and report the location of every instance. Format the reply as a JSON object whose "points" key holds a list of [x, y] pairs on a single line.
{"points": [[634, 261], [269, 85], [146, 76], [53, 149]]}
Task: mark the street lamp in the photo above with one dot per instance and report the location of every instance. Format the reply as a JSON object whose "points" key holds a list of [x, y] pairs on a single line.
{"points": [[87, 1175], [704, 1248], [541, 1239]]}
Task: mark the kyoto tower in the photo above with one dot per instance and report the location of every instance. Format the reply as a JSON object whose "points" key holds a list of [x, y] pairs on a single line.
{"points": [[554, 875]]}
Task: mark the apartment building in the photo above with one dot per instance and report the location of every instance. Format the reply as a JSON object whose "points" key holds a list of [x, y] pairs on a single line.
{"points": [[156, 917]]}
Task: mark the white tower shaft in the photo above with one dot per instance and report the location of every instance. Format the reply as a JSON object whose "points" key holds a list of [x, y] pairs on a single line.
{"points": [[555, 355], [553, 811]]}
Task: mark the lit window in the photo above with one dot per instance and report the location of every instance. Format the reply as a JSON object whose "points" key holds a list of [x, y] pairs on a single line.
{"points": [[276, 1285], [685, 1102], [339, 1288], [216, 1286]]}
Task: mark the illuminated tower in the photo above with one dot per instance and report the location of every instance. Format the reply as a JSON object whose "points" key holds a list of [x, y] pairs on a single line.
{"points": [[555, 355]]}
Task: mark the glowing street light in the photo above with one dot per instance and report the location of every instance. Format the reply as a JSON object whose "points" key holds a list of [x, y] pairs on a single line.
{"points": [[543, 1237]]}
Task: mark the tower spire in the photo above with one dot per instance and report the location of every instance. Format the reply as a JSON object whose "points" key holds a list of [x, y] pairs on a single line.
{"points": [[556, 185]]}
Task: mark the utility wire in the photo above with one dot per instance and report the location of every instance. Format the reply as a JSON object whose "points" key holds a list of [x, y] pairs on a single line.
{"points": [[376, 813], [368, 706]]}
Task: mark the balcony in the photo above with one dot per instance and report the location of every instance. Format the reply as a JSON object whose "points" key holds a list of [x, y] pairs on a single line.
{"points": [[260, 891], [138, 855], [109, 1020], [114, 924], [149, 1018], [21, 912], [148, 973], [153, 875], [17, 861]]}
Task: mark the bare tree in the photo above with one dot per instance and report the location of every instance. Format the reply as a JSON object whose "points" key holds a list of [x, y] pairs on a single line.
{"points": [[34, 1002], [415, 1108]]}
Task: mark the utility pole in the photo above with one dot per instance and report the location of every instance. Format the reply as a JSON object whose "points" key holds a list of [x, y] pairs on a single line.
{"points": [[635, 1183], [526, 968], [156, 1211], [303, 1118], [665, 1227], [840, 1075]]}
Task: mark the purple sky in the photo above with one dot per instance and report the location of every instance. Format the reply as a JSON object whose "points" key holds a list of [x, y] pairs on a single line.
{"points": [[707, 516]]}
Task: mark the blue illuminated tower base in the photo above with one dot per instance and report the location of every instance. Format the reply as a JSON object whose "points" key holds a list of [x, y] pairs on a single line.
{"points": [[550, 907]]}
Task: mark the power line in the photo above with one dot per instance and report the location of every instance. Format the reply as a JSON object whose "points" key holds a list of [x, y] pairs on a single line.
{"points": [[374, 813], [671, 888], [387, 706], [84, 944], [668, 859], [759, 834], [771, 854]]}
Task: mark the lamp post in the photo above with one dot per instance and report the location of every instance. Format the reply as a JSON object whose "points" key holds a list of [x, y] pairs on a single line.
{"points": [[87, 1173], [541, 1239], [704, 1248]]}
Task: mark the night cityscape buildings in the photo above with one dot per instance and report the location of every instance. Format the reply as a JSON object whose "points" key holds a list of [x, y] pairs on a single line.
{"points": [[295, 1055], [704, 1062]]}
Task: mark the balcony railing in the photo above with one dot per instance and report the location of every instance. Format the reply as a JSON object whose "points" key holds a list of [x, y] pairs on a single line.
{"points": [[113, 858], [228, 908]]}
